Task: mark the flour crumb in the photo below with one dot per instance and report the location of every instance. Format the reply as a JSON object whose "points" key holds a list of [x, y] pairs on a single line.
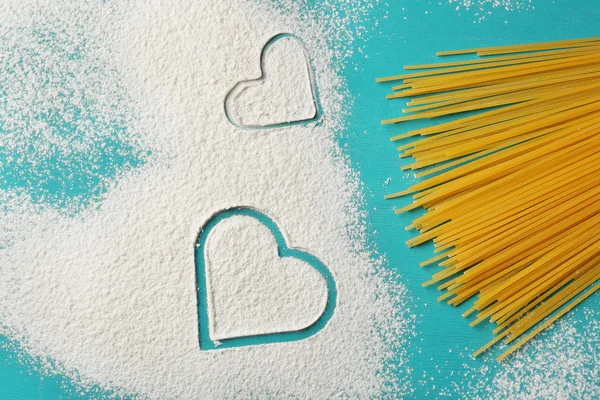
{"points": [[480, 10], [562, 363]]}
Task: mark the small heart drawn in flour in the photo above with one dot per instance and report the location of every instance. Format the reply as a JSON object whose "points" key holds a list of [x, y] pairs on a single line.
{"points": [[285, 93], [255, 289]]}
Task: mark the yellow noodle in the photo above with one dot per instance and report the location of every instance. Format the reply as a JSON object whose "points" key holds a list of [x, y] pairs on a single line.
{"points": [[473, 79], [525, 47], [513, 86], [565, 52], [512, 194]]}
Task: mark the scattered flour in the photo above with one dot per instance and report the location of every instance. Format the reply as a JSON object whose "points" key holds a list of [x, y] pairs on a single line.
{"points": [[558, 365], [67, 126], [481, 9], [107, 295]]}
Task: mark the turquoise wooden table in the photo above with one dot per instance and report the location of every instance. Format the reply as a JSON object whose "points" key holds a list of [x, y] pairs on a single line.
{"points": [[409, 32]]}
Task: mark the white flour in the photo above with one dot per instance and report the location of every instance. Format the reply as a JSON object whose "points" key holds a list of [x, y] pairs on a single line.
{"points": [[564, 363], [109, 295], [507, 5], [480, 10]]}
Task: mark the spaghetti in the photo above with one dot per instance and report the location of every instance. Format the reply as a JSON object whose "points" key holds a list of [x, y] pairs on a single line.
{"points": [[511, 193]]}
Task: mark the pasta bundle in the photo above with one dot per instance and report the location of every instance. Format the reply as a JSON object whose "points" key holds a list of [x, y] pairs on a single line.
{"points": [[512, 192]]}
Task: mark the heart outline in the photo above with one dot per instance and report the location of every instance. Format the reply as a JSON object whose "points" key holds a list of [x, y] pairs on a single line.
{"points": [[241, 85], [283, 250]]}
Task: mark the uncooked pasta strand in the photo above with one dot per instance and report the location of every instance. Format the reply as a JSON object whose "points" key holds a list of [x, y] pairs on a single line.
{"points": [[512, 193], [560, 44], [564, 52]]}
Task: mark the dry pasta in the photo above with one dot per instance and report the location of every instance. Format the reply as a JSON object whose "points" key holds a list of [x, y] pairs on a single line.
{"points": [[512, 193]]}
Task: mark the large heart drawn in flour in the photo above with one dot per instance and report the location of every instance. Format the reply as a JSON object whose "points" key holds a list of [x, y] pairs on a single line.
{"points": [[253, 288], [284, 94]]}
